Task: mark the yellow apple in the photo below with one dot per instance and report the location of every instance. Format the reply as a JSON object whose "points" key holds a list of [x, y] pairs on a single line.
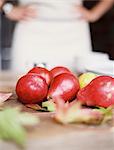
{"points": [[86, 78]]}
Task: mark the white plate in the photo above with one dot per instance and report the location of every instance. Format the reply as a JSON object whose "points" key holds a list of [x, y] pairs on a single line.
{"points": [[101, 72], [104, 69], [97, 63]]}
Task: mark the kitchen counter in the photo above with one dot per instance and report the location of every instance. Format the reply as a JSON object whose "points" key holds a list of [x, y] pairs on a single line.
{"points": [[54, 136]]}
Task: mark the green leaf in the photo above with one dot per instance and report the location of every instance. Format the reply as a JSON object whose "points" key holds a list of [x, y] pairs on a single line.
{"points": [[50, 105], [107, 112], [28, 119], [11, 125]]}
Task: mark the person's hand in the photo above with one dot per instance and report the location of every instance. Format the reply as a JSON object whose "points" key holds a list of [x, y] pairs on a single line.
{"points": [[20, 13], [1, 3], [87, 14]]}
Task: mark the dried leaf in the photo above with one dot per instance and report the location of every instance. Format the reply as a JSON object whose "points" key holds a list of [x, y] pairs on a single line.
{"points": [[75, 113], [4, 97], [35, 107]]}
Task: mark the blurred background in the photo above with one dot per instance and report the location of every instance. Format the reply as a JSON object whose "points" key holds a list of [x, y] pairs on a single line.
{"points": [[102, 34]]}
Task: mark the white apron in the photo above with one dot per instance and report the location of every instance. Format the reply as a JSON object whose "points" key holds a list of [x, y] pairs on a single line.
{"points": [[55, 37]]}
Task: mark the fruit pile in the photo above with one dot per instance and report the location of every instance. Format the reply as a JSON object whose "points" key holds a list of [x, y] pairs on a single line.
{"points": [[40, 85]]}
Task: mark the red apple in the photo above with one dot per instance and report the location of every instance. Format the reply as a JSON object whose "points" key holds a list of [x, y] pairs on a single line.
{"points": [[59, 70], [43, 72], [31, 88]]}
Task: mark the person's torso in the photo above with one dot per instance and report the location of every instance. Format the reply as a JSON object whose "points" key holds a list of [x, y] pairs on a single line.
{"points": [[55, 9]]}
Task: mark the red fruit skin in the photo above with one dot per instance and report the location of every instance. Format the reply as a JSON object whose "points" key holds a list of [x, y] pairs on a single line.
{"points": [[59, 70], [99, 92], [65, 86], [43, 72], [31, 88]]}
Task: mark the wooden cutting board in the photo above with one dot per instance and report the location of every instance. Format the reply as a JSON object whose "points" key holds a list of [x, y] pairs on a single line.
{"points": [[50, 135]]}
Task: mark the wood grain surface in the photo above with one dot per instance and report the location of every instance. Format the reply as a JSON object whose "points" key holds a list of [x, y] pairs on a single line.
{"points": [[53, 136]]}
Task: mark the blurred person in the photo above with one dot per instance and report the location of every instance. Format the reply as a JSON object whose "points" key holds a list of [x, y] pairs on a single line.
{"points": [[52, 31], [1, 5], [6, 7]]}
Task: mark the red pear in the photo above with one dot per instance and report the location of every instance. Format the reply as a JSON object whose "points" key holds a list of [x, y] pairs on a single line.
{"points": [[59, 70], [43, 72], [65, 86], [99, 92]]}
